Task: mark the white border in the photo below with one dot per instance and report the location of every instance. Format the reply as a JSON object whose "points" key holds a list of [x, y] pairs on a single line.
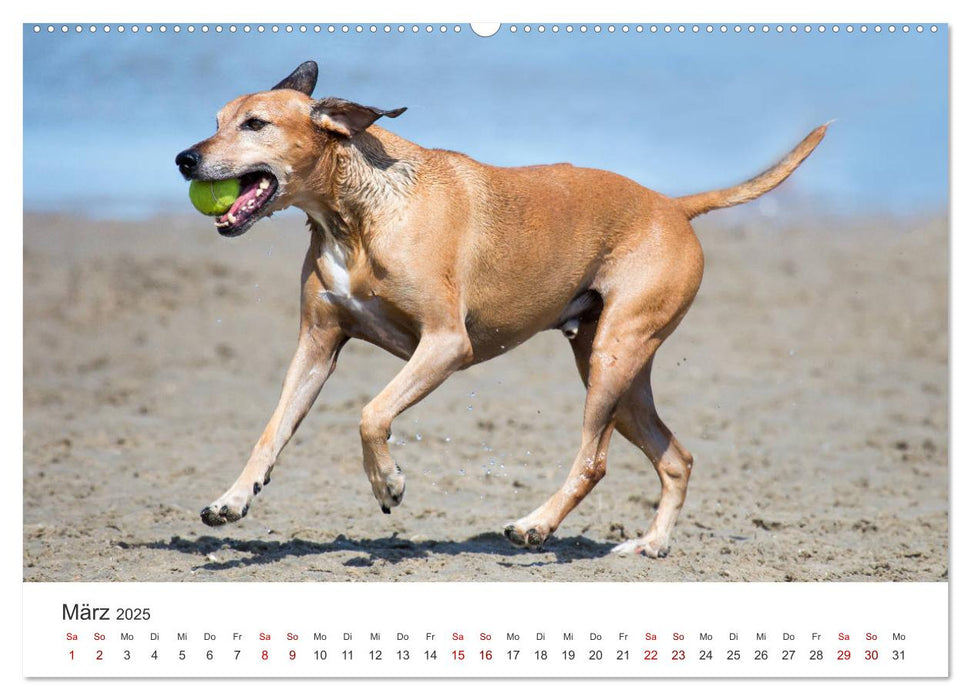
{"points": [[829, 11]]}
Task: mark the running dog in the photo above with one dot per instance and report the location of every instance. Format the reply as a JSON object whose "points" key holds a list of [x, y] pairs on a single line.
{"points": [[447, 262]]}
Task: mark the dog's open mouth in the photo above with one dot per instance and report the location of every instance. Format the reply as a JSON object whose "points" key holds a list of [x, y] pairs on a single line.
{"points": [[257, 190]]}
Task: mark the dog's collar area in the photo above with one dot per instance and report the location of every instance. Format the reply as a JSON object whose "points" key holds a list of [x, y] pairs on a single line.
{"points": [[256, 190]]}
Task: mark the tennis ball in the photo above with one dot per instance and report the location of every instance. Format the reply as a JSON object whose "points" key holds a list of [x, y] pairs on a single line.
{"points": [[213, 198]]}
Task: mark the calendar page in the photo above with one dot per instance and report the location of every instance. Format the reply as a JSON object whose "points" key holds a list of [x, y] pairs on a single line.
{"points": [[545, 349]]}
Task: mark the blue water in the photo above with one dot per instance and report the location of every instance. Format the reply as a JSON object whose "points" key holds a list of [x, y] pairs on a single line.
{"points": [[104, 115]]}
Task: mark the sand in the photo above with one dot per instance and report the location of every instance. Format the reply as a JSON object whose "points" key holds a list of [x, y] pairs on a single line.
{"points": [[810, 380]]}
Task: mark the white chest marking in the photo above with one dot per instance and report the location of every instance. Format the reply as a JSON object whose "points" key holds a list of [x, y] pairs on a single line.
{"points": [[367, 312], [333, 260]]}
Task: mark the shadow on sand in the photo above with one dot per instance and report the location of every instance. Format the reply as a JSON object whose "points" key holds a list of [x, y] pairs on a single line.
{"points": [[371, 551]]}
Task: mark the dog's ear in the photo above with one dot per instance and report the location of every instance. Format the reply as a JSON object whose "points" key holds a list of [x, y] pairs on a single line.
{"points": [[304, 79], [347, 118]]}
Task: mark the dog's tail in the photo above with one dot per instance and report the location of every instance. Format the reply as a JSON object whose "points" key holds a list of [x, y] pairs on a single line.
{"points": [[702, 203]]}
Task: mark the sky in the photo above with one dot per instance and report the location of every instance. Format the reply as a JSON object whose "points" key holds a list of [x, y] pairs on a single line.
{"points": [[105, 114]]}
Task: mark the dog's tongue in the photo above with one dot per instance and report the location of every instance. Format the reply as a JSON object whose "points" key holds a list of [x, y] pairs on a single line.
{"points": [[254, 192], [246, 194]]}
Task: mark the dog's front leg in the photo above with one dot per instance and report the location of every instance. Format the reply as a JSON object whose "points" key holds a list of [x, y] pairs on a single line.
{"points": [[312, 364], [436, 357]]}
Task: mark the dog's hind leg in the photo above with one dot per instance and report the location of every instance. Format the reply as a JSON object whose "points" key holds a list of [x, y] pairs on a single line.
{"points": [[312, 364], [637, 420], [620, 344], [651, 290]]}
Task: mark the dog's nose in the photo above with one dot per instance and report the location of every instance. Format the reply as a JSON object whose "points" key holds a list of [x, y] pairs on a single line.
{"points": [[187, 161]]}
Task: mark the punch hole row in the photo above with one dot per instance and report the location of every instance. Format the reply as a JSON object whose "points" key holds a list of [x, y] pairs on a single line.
{"points": [[250, 28], [512, 29], [720, 28]]}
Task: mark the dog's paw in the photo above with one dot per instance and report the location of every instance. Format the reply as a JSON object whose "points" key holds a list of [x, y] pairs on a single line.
{"points": [[391, 492], [643, 547], [217, 514], [525, 535]]}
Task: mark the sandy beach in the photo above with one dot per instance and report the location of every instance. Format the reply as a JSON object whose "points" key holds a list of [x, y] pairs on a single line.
{"points": [[810, 381]]}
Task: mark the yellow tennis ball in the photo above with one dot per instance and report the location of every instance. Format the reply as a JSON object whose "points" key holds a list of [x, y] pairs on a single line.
{"points": [[213, 198]]}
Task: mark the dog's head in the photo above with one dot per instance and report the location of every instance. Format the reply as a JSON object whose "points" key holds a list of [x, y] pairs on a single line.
{"points": [[277, 143]]}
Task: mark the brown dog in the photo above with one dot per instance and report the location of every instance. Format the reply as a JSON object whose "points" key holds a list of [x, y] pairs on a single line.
{"points": [[447, 262]]}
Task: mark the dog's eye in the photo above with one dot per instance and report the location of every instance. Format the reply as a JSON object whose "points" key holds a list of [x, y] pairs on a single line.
{"points": [[254, 124]]}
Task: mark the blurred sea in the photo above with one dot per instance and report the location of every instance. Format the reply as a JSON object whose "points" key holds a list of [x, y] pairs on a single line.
{"points": [[104, 115]]}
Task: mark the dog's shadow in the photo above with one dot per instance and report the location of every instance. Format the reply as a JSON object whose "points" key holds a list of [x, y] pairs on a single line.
{"points": [[229, 553]]}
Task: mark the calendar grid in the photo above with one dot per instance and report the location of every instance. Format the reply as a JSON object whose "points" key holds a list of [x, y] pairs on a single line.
{"points": [[486, 630]]}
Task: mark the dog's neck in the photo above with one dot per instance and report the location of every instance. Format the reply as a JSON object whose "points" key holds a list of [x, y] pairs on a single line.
{"points": [[366, 181]]}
